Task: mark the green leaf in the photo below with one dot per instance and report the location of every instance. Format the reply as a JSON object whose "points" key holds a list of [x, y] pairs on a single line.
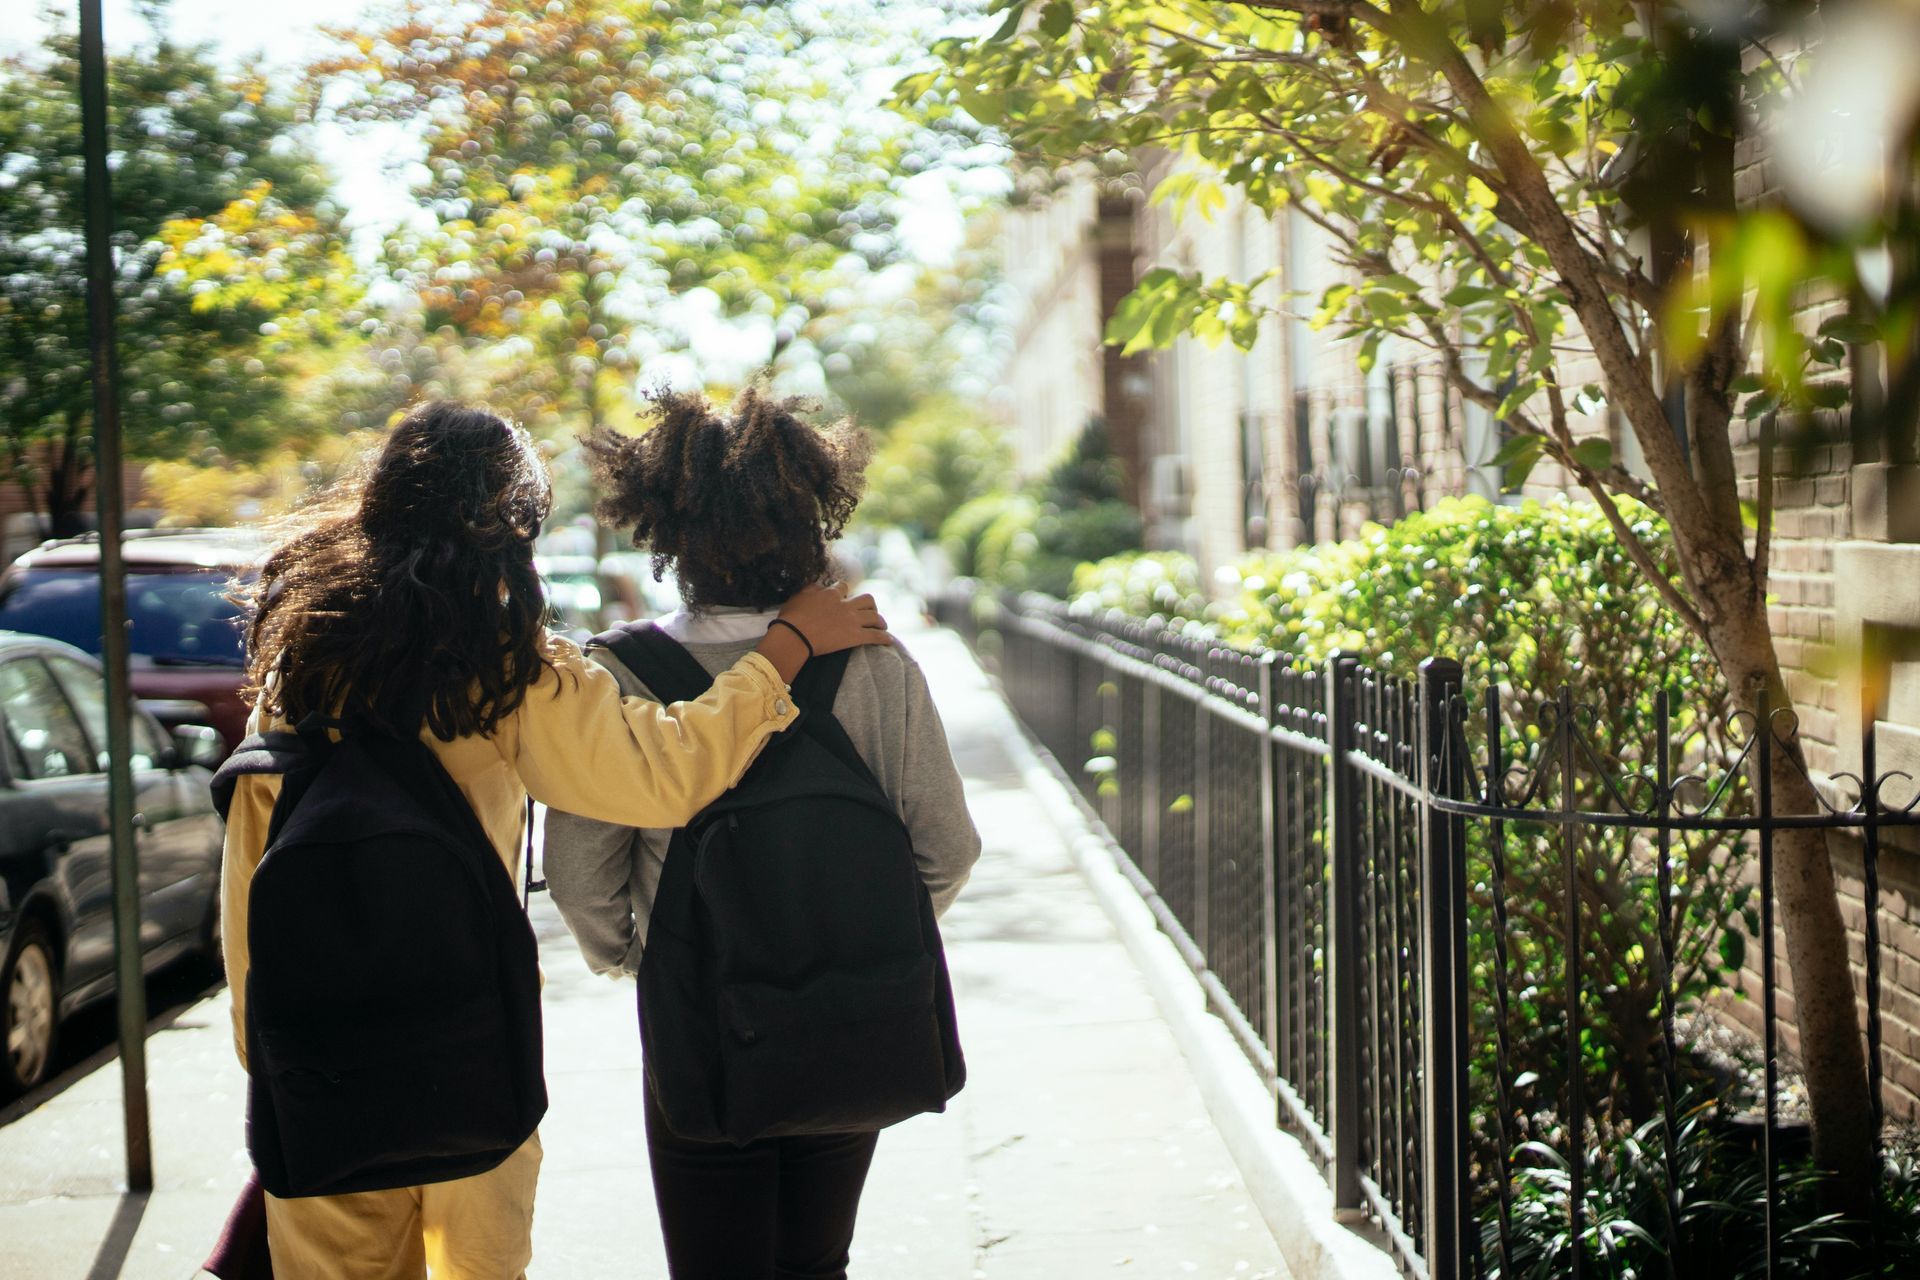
{"points": [[1733, 949], [1369, 348], [1465, 295], [1518, 457], [1515, 400], [1016, 10], [1594, 453], [987, 108], [1190, 188], [1167, 319], [1056, 19], [1850, 330], [1516, 447]]}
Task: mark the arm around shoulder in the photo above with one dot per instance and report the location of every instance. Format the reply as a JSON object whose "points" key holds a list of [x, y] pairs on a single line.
{"points": [[590, 867], [581, 747]]}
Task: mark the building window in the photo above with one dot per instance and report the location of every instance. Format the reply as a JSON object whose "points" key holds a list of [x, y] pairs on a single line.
{"points": [[1253, 477], [1305, 479]]}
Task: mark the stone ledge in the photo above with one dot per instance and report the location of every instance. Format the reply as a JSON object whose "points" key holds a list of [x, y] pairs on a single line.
{"points": [[1877, 588], [1886, 502]]}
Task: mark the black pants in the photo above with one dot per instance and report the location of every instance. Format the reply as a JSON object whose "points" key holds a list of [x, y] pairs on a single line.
{"points": [[777, 1209]]}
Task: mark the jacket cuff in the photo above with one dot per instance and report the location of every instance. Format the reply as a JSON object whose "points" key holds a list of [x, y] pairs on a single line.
{"points": [[780, 708]]}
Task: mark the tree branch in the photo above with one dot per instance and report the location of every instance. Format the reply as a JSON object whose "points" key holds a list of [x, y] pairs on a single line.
{"points": [[1763, 509], [1712, 556]]}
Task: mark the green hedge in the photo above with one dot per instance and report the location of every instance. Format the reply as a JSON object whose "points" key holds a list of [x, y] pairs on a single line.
{"points": [[1035, 540], [1535, 598]]}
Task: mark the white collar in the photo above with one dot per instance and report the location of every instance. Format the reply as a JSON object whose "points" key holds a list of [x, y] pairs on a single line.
{"points": [[722, 624]]}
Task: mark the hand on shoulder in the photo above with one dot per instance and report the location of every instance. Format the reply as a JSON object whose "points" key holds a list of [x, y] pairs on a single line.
{"points": [[829, 620]]}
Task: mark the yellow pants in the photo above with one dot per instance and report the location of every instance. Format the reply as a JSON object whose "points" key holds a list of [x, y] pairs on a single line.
{"points": [[478, 1228]]}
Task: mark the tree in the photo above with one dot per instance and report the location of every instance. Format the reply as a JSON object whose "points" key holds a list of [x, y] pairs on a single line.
{"points": [[928, 331], [590, 161], [1529, 191], [193, 494], [932, 462], [228, 252]]}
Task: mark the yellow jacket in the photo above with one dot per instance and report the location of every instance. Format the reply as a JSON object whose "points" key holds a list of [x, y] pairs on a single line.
{"points": [[574, 744]]}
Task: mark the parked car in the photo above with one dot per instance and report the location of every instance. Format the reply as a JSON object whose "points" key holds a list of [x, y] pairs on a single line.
{"points": [[188, 648], [56, 881]]}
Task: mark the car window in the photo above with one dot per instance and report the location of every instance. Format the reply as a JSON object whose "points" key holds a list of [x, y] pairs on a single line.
{"points": [[149, 744], [178, 619], [45, 735], [86, 690], [16, 763]]}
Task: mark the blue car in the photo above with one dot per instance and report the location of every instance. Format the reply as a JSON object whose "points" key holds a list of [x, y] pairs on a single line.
{"points": [[56, 882]]}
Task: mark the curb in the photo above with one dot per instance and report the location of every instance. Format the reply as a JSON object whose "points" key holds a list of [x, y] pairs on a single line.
{"points": [[1281, 1177]]}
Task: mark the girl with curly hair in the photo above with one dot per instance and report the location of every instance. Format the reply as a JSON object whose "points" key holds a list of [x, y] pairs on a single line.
{"points": [[742, 508], [408, 603]]}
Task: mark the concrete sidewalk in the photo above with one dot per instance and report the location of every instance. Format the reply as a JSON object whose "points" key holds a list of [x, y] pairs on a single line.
{"points": [[1079, 1148]]}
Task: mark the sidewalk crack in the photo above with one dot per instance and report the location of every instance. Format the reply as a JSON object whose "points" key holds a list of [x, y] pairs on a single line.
{"points": [[1012, 1140]]}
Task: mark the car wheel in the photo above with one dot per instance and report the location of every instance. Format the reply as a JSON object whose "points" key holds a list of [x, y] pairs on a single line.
{"points": [[29, 1008]]}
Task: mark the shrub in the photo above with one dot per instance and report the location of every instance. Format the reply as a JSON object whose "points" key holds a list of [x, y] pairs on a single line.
{"points": [[962, 532], [1034, 541], [1066, 539], [1722, 1224], [930, 464], [1164, 585], [1008, 542], [1533, 599]]}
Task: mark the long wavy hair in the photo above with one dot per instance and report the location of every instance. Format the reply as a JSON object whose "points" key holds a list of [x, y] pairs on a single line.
{"points": [[742, 506], [407, 597]]}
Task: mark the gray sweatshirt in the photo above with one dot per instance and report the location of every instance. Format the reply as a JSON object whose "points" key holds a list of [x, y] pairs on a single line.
{"points": [[603, 877]]}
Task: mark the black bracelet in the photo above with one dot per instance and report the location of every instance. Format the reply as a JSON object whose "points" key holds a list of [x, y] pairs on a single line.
{"points": [[782, 622]]}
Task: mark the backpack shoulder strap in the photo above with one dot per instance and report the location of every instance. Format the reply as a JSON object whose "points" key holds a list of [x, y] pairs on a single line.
{"points": [[660, 661], [815, 689], [276, 751], [819, 682]]}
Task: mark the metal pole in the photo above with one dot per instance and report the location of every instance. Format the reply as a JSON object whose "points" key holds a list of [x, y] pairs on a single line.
{"points": [[1576, 943], [130, 978], [1443, 925], [1202, 794], [1270, 867], [1343, 939]]}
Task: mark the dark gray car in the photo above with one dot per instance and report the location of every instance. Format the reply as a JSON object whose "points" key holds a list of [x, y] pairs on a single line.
{"points": [[56, 884]]}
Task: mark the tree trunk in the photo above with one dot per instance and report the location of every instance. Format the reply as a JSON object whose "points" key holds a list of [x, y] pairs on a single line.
{"points": [[1731, 597], [67, 488], [1808, 908]]}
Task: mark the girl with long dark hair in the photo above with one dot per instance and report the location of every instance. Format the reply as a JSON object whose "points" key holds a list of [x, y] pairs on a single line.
{"points": [[743, 509], [408, 602]]}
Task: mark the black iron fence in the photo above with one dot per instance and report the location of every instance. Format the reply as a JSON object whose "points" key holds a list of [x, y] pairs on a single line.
{"points": [[1375, 879]]}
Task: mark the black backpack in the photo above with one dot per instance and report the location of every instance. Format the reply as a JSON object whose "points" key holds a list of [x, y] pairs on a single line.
{"points": [[393, 1000], [793, 980]]}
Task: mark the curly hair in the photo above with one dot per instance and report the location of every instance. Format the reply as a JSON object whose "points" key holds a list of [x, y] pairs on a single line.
{"points": [[407, 596], [742, 507]]}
